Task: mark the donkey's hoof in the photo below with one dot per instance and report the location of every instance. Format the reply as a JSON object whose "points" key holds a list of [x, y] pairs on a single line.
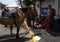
{"points": [[5, 25], [17, 37]]}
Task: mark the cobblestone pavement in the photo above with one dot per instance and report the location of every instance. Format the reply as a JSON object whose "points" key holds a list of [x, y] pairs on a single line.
{"points": [[47, 36]]}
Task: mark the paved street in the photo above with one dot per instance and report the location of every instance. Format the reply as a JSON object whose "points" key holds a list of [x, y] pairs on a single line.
{"points": [[52, 36], [5, 35], [30, 9], [47, 36], [24, 36]]}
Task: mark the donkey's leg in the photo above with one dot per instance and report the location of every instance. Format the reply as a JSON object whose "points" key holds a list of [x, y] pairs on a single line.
{"points": [[11, 27], [17, 34], [5, 25]]}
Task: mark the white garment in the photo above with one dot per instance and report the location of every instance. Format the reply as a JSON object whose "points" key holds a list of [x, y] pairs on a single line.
{"points": [[48, 12], [38, 8]]}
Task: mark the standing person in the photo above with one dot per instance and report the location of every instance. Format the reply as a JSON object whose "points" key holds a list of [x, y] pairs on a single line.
{"points": [[50, 18], [33, 13], [28, 18]]}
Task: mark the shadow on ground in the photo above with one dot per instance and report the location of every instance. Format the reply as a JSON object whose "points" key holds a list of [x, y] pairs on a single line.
{"points": [[55, 34], [12, 38], [55, 31], [21, 39]]}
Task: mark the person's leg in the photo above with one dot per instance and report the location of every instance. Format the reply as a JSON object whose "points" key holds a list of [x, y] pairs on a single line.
{"points": [[33, 21], [28, 21], [47, 27], [52, 26]]}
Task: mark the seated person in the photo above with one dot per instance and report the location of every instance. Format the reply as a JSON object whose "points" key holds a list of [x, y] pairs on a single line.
{"points": [[39, 22]]}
